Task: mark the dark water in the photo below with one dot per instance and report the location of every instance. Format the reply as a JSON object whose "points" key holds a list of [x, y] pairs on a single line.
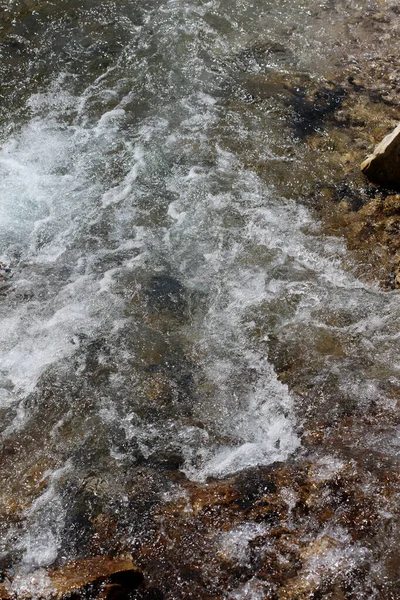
{"points": [[158, 281]]}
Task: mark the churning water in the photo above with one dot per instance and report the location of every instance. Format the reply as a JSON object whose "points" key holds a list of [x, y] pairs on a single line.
{"points": [[151, 267]]}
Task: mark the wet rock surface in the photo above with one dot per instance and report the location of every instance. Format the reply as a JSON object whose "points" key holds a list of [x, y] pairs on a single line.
{"points": [[103, 577], [5, 276], [336, 115], [311, 529], [314, 528], [324, 525], [319, 526], [383, 165]]}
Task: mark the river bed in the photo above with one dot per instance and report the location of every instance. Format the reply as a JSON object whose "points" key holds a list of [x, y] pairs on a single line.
{"points": [[195, 366]]}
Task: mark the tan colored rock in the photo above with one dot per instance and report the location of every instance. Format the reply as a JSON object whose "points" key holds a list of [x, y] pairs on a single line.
{"points": [[298, 589], [383, 165], [122, 573], [82, 572], [4, 593], [391, 205]]}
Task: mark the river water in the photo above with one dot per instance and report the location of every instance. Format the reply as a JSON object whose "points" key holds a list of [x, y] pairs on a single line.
{"points": [[157, 278]]}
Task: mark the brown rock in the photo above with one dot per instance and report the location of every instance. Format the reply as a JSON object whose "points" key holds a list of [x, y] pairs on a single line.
{"points": [[72, 579], [392, 205], [113, 591], [4, 593], [78, 574], [383, 165]]}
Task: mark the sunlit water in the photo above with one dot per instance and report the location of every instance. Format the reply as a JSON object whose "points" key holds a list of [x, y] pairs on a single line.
{"points": [[151, 267]]}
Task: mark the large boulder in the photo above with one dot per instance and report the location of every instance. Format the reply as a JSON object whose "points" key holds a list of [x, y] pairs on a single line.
{"points": [[383, 165]]}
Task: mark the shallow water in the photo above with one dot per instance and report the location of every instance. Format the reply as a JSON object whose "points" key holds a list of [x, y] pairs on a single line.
{"points": [[159, 285]]}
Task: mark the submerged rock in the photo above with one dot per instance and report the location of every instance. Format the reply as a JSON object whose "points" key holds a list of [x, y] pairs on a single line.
{"points": [[5, 275], [383, 165], [109, 577], [299, 531]]}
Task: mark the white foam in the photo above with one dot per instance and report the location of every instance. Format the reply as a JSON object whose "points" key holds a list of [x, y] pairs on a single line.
{"points": [[35, 585], [234, 544], [254, 589], [44, 523], [331, 553], [46, 200]]}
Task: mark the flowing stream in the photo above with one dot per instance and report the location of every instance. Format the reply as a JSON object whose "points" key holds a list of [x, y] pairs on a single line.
{"points": [[156, 278]]}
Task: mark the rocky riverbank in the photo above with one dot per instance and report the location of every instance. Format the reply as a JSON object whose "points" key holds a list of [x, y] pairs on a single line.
{"points": [[338, 112]]}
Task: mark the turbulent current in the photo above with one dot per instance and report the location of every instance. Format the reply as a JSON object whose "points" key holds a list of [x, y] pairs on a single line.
{"points": [[164, 263]]}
